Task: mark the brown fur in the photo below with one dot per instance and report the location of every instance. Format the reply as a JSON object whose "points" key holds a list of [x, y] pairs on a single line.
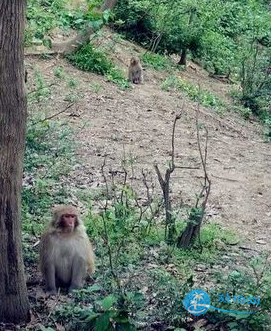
{"points": [[135, 71], [65, 258]]}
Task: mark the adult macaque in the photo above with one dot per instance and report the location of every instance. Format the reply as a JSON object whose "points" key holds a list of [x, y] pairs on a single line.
{"points": [[135, 71], [66, 254]]}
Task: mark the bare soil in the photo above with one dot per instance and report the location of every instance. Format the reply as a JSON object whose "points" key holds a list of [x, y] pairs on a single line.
{"points": [[136, 124]]}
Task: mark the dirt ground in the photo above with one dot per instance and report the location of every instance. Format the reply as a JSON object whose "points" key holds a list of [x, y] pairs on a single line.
{"points": [[136, 124]]}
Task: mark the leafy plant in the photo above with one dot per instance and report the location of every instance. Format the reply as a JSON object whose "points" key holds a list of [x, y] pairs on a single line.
{"points": [[88, 58], [195, 93], [48, 147], [158, 62]]}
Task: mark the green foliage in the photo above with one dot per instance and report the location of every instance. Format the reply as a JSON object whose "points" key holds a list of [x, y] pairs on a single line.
{"points": [[45, 15], [48, 147], [266, 118], [217, 52], [88, 58], [231, 38], [114, 315], [133, 19], [59, 72], [158, 62], [195, 93], [253, 282], [112, 312], [116, 76], [42, 91]]}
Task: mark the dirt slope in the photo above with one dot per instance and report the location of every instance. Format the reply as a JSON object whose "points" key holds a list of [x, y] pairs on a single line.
{"points": [[137, 123]]}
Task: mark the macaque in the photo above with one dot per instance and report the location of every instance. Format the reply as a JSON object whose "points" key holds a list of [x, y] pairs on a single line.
{"points": [[66, 254], [135, 71]]}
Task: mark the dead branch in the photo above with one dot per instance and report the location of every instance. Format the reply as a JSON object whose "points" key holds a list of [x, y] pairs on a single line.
{"points": [[54, 115], [164, 184], [197, 213]]}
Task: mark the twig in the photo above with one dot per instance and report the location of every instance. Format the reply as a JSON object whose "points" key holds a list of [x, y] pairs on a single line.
{"points": [[197, 214], [52, 116], [106, 236], [164, 183], [53, 308]]}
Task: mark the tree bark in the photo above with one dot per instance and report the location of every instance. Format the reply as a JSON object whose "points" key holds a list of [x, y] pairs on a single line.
{"points": [[182, 60], [14, 305]]}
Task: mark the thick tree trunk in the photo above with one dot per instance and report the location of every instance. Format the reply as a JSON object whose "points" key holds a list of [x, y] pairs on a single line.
{"points": [[14, 306]]}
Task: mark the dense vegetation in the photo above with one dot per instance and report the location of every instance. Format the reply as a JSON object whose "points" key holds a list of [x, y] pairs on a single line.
{"points": [[141, 280], [230, 38]]}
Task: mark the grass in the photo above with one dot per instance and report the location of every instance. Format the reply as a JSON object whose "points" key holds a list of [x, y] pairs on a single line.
{"points": [[153, 277], [88, 58], [45, 15], [195, 93], [158, 62]]}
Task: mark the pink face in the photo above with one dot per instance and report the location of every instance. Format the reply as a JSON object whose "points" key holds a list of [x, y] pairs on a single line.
{"points": [[68, 222]]}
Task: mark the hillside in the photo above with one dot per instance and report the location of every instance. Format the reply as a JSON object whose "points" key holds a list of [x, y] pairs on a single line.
{"points": [[137, 124]]}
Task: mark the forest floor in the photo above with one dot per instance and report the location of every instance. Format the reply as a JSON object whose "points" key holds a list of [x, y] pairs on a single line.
{"points": [[136, 125]]}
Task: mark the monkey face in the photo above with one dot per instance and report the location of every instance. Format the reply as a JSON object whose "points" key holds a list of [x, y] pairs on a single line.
{"points": [[68, 223], [133, 61]]}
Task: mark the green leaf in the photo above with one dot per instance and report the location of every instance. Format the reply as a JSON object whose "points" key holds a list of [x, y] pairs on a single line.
{"points": [[102, 323], [108, 302], [91, 317]]}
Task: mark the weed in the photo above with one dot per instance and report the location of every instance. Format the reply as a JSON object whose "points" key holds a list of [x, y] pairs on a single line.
{"points": [[48, 149], [158, 62], [96, 87], [46, 15], [195, 93], [171, 82], [72, 82], [88, 58], [42, 91], [59, 72], [72, 97]]}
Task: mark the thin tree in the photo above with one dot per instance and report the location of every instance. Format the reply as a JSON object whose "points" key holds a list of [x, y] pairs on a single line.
{"points": [[14, 305]]}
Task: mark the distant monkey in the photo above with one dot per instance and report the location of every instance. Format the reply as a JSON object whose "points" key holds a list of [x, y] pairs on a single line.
{"points": [[135, 71], [66, 254]]}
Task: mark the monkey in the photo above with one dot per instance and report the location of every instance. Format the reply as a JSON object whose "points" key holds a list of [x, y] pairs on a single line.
{"points": [[66, 254], [135, 71]]}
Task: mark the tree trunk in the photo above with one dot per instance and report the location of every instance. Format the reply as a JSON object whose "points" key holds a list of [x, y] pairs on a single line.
{"points": [[182, 61], [191, 232], [14, 305], [108, 4]]}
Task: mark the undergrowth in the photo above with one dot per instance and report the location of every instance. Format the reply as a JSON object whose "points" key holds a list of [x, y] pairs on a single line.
{"points": [[158, 62], [43, 16], [88, 58], [140, 280], [48, 160], [195, 93]]}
